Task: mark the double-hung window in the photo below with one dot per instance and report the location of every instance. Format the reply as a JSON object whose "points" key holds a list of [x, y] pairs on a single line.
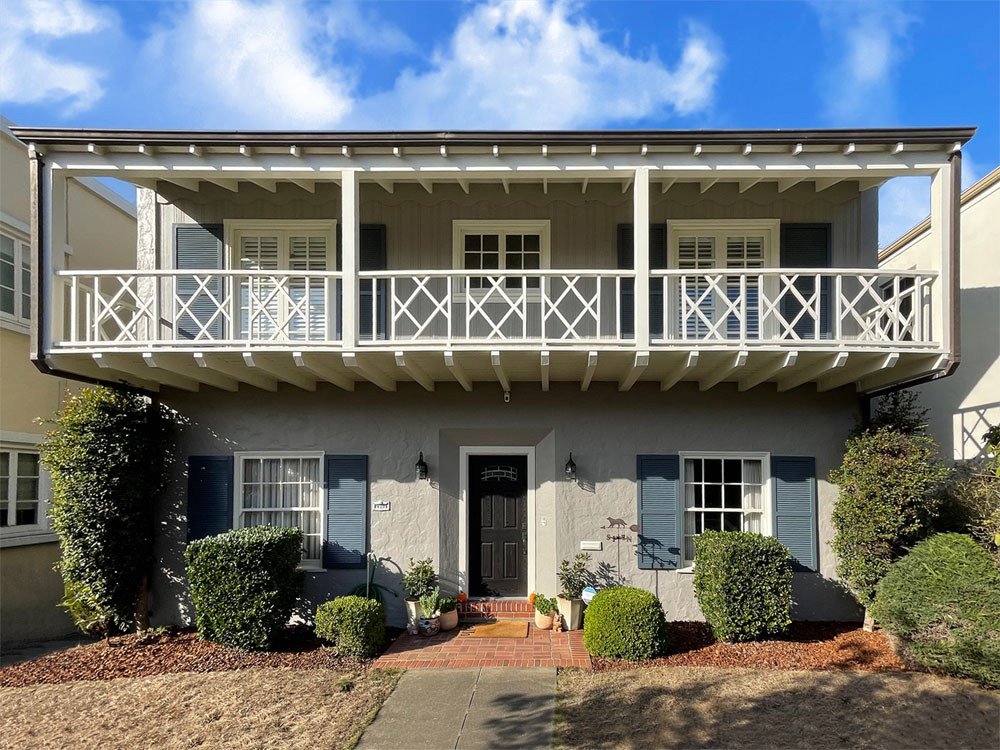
{"points": [[723, 492], [15, 279], [283, 489], [495, 245], [20, 488]]}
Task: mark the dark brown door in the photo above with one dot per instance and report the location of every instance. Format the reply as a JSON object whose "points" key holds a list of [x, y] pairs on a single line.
{"points": [[498, 525]]}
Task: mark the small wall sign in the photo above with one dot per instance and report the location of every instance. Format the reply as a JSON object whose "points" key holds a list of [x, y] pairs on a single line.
{"points": [[381, 505]]}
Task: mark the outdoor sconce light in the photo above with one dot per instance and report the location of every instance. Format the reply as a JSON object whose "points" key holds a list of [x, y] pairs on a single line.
{"points": [[571, 469], [421, 467]]}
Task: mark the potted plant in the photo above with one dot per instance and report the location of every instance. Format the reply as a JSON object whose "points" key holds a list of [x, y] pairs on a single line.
{"points": [[418, 580], [573, 578], [448, 609], [545, 611], [429, 623]]}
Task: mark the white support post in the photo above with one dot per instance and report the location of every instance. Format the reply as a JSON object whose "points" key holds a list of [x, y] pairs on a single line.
{"points": [[350, 216], [640, 224], [944, 194], [54, 254]]}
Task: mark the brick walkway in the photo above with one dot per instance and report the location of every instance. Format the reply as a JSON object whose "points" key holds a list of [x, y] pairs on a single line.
{"points": [[541, 648]]}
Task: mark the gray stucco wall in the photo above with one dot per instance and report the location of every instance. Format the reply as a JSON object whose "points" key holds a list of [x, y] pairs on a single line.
{"points": [[605, 430]]}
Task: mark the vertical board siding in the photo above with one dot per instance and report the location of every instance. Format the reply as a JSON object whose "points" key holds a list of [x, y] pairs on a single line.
{"points": [[346, 480], [209, 496], [660, 512], [795, 522]]}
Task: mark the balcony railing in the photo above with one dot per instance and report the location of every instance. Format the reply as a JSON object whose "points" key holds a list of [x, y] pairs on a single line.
{"points": [[746, 307]]}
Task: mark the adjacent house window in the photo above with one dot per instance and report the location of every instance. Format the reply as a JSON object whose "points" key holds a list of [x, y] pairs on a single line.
{"points": [[283, 489], [15, 279], [19, 483], [723, 493], [501, 246]]}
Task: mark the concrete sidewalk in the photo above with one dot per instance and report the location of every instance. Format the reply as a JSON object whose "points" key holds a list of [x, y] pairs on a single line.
{"points": [[466, 709]]}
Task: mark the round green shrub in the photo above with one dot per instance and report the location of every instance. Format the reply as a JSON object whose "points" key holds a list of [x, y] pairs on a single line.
{"points": [[943, 600], [355, 624], [244, 584], [743, 583], [625, 623]]}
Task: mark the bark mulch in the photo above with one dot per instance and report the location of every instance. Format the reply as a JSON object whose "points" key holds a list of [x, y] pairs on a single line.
{"points": [[145, 654], [807, 645]]}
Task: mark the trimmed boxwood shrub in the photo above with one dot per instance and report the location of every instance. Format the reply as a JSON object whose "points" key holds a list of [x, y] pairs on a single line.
{"points": [[743, 583], [244, 584], [943, 600], [625, 623], [355, 624]]}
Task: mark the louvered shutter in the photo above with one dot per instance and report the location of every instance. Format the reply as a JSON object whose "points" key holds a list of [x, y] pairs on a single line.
{"points": [[198, 247], [346, 481], [210, 496], [626, 261], [795, 522], [373, 258], [807, 246], [660, 512]]}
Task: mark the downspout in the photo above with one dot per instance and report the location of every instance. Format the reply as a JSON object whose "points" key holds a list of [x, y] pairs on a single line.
{"points": [[954, 271]]}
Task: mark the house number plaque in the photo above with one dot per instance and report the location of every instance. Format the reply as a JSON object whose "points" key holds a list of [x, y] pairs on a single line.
{"points": [[382, 505]]}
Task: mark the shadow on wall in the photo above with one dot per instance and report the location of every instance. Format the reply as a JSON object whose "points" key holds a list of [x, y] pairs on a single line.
{"points": [[322, 587], [972, 424], [817, 598]]}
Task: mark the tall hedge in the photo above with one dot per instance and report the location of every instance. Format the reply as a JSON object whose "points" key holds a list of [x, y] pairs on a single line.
{"points": [[943, 600], [107, 454], [244, 584], [890, 486]]}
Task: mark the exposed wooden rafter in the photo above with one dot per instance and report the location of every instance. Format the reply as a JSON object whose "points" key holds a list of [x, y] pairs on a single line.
{"points": [[407, 365], [457, 371]]}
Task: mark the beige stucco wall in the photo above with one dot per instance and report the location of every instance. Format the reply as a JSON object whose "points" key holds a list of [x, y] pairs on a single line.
{"points": [[30, 591], [604, 429], [965, 404]]}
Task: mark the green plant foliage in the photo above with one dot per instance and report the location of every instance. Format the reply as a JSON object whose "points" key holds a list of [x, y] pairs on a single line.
{"points": [[973, 504], [575, 577], [429, 603], [545, 604], [244, 584], [419, 578], [447, 605], [890, 493], [625, 623], [356, 625], [899, 411], [743, 583], [943, 600], [107, 453]]}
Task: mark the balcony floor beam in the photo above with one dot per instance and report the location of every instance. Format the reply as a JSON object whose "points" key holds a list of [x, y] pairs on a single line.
{"points": [[639, 365], [411, 368], [457, 371], [368, 372], [589, 370], [313, 365], [184, 367], [239, 372], [674, 376], [283, 372], [826, 364], [779, 363], [722, 372]]}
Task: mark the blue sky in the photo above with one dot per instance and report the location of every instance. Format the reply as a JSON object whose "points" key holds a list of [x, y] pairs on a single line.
{"points": [[247, 64]]}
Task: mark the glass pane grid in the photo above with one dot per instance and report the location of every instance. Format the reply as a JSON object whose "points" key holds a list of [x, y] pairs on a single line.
{"points": [[19, 480], [721, 494], [285, 492]]}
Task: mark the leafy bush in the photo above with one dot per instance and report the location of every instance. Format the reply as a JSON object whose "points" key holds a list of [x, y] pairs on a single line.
{"points": [[943, 600], [743, 583], [973, 498], [574, 577], [419, 578], [429, 603], [889, 496], [545, 604], [244, 584], [356, 625], [107, 454], [625, 623], [899, 411], [447, 605]]}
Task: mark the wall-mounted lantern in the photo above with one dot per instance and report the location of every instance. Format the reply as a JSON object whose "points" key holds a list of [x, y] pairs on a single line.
{"points": [[571, 469], [421, 467]]}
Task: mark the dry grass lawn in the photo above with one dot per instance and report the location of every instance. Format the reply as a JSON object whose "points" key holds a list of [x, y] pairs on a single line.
{"points": [[684, 707], [253, 708]]}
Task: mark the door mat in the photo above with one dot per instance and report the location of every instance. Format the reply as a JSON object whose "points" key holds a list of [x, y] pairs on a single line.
{"points": [[502, 629]]}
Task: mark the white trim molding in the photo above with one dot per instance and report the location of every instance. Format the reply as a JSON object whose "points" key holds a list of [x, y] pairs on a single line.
{"points": [[502, 227]]}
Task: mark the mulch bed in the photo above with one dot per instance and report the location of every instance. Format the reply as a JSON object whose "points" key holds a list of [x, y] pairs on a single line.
{"points": [[808, 645], [148, 654]]}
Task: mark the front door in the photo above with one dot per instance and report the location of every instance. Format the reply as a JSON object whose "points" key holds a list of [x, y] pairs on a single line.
{"points": [[498, 525]]}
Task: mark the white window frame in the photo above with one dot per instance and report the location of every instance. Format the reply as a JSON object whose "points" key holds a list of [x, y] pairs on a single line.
{"points": [[35, 533], [502, 227], [22, 251], [239, 510], [770, 229], [767, 502], [233, 228]]}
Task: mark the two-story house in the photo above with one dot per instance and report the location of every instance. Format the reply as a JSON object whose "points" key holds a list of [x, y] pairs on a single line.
{"points": [[498, 349]]}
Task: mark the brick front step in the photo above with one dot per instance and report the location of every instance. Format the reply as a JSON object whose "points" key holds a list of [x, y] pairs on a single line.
{"points": [[495, 609]]}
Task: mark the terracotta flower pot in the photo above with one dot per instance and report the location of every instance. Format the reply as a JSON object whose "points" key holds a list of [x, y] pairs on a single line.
{"points": [[449, 620], [543, 622], [571, 611]]}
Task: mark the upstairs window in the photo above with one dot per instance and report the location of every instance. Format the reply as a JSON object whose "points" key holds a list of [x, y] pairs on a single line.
{"points": [[19, 488], [502, 246], [15, 279]]}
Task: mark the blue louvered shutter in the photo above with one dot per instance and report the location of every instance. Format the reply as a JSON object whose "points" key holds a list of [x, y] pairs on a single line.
{"points": [[807, 246], [372, 241], [660, 512], [795, 523], [199, 247], [626, 261], [210, 495], [346, 543]]}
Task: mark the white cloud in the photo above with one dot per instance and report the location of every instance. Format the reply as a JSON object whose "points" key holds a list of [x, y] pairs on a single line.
{"points": [[544, 65], [346, 20], [867, 41], [29, 71]]}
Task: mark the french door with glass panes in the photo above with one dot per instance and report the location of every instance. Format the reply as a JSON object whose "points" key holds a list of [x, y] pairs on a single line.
{"points": [[283, 304]]}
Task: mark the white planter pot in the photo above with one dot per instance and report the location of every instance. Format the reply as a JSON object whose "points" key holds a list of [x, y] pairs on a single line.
{"points": [[571, 611], [413, 612]]}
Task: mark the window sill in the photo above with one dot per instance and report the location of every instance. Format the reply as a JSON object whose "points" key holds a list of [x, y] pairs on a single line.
{"points": [[311, 568], [688, 571], [15, 324], [14, 537]]}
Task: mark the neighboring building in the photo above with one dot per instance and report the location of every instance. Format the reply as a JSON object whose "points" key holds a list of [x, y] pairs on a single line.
{"points": [[963, 406], [604, 341], [99, 233]]}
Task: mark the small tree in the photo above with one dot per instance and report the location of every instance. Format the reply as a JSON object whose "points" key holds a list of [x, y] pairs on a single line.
{"points": [[107, 455], [899, 411], [889, 495]]}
